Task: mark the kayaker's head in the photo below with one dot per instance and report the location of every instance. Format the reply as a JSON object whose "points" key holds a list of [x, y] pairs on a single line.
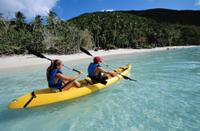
{"points": [[57, 64], [98, 59]]}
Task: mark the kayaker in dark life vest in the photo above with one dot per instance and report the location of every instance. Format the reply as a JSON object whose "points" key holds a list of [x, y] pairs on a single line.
{"points": [[57, 80], [96, 72]]}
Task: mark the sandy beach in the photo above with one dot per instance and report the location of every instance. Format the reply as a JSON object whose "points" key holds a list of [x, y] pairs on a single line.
{"points": [[30, 60]]}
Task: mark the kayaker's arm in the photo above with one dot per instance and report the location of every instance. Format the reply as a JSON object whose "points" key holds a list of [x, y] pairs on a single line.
{"points": [[107, 72]]}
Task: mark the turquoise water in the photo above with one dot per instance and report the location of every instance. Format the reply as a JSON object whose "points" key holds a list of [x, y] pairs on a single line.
{"points": [[166, 97]]}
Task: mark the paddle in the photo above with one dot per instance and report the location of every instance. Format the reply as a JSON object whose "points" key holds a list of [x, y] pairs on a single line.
{"points": [[42, 56], [88, 53]]}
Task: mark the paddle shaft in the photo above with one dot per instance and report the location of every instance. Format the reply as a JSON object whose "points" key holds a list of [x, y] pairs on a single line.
{"points": [[88, 53], [74, 70], [44, 57], [125, 77], [67, 67]]}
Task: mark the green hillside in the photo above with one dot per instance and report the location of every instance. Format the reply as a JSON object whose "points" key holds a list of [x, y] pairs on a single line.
{"points": [[107, 30]]}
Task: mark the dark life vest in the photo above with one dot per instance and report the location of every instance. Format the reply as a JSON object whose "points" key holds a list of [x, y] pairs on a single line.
{"points": [[51, 78], [91, 69]]}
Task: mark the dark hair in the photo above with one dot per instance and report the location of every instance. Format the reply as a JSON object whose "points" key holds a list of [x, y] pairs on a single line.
{"points": [[53, 65]]}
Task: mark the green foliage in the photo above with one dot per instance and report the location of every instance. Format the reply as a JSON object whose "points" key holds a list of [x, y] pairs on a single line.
{"points": [[124, 29], [20, 20], [56, 37], [190, 35], [183, 17], [105, 30]]}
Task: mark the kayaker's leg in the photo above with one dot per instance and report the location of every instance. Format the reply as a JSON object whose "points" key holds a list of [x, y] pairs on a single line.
{"points": [[77, 84], [70, 84], [101, 75]]}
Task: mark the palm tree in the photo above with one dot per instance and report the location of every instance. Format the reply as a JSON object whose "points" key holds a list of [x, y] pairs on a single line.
{"points": [[37, 23], [52, 20], [19, 20]]}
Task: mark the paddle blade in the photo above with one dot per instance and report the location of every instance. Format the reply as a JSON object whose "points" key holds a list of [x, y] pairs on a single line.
{"points": [[85, 51], [37, 54], [128, 78]]}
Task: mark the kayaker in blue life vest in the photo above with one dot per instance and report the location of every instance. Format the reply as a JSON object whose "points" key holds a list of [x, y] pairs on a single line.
{"points": [[96, 72], [57, 80]]}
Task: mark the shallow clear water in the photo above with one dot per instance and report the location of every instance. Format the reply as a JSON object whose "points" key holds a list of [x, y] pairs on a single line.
{"points": [[166, 97]]}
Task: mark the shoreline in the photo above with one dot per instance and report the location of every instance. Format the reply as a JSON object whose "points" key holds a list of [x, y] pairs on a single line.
{"points": [[18, 61]]}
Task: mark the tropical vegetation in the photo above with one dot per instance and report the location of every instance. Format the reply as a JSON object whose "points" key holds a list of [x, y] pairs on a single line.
{"points": [[105, 30]]}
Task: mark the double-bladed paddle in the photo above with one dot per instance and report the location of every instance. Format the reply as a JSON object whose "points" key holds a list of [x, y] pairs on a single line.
{"points": [[88, 53], [44, 57]]}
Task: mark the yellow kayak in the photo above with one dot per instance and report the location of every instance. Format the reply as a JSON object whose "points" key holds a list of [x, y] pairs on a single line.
{"points": [[46, 96]]}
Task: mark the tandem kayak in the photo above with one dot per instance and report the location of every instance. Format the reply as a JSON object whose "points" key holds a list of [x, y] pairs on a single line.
{"points": [[46, 96]]}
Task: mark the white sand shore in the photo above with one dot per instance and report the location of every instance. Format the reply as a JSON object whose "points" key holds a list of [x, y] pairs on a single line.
{"points": [[30, 60]]}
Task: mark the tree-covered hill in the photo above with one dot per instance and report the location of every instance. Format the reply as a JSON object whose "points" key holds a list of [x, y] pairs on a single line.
{"points": [[55, 36], [107, 30], [184, 17], [124, 29]]}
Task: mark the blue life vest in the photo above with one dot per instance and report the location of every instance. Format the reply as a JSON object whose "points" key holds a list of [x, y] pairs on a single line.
{"points": [[51, 79], [91, 69]]}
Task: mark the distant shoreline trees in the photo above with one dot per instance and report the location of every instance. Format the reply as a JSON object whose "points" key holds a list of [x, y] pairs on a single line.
{"points": [[106, 30]]}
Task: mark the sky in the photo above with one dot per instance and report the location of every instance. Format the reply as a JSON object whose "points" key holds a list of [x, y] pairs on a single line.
{"points": [[67, 9]]}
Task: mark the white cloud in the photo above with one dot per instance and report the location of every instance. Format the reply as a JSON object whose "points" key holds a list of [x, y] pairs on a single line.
{"points": [[107, 10], [197, 3], [29, 7]]}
